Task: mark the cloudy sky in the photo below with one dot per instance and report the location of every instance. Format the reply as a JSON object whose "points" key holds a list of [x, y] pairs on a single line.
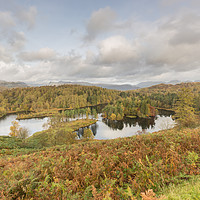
{"points": [[115, 41]]}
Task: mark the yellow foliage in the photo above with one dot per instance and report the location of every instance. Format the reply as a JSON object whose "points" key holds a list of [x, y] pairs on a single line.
{"points": [[113, 116], [14, 129]]}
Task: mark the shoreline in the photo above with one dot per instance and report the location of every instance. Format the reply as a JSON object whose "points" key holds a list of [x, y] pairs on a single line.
{"points": [[42, 114]]}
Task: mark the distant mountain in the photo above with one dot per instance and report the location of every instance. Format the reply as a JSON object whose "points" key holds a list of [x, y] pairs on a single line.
{"points": [[148, 84], [122, 87], [107, 86], [118, 87], [194, 86], [5, 84]]}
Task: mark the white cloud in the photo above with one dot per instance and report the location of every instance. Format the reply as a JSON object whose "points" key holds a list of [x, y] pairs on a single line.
{"points": [[116, 49]]}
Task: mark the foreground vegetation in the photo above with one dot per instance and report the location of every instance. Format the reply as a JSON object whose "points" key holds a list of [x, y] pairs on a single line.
{"points": [[112, 169]]}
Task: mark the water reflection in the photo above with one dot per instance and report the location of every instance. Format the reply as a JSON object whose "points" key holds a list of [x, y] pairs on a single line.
{"points": [[165, 113], [33, 125], [108, 129], [104, 128], [148, 123]]}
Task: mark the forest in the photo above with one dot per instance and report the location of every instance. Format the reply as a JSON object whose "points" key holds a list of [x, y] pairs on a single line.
{"points": [[47, 100]]}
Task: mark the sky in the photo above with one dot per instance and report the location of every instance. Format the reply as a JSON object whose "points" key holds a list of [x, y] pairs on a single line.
{"points": [[99, 41]]}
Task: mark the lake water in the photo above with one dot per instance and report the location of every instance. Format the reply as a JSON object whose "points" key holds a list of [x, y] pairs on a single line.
{"points": [[33, 125], [103, 129]]}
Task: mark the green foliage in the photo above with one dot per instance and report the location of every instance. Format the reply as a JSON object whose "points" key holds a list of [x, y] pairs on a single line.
{"points": [[41, 100], [59, 133], [129, 107], [7, 142], [184, 108], [184, 191], [192, 157], [88, 134]]}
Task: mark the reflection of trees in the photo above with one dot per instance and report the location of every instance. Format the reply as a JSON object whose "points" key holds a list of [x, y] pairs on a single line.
{"points": [[130, 122], [165, 113], [144, 123], [93, 128], [115, 125]]}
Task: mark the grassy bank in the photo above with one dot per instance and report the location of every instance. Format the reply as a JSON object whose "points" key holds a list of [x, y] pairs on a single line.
{"points": [[39, 114], [188, 189], [115, 169], [62, 133]]}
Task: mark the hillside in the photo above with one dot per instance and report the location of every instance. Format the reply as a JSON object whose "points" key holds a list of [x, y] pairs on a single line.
{"points": [[162, 88], [115, 169], [41, 101], [165, 95]]}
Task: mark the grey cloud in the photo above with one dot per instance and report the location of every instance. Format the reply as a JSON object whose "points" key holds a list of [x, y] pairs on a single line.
{"points": [[187, 30], [27, 16], [17, 41], [103, 21], [6, 69], [6, 21], [171, 2], [100, 21], [185, 36], [40, 55], [5, 55]]}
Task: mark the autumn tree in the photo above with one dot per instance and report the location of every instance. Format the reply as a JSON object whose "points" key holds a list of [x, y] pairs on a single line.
{"points": [[88, 112], [94, 113], [14, 129], [185, 115], [23, 133], [112, 116], [17, 131], [87, 134]]}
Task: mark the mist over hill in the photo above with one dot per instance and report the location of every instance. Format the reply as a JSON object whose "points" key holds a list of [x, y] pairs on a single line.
{"points": [[122, 87], [6, 84]]}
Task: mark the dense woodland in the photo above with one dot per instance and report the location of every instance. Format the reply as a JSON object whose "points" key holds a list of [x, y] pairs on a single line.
{"points": [[49, 97], [141, 103]]}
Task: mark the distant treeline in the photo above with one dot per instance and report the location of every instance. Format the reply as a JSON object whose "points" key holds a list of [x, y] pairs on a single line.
{"points": [[134, 103]]}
